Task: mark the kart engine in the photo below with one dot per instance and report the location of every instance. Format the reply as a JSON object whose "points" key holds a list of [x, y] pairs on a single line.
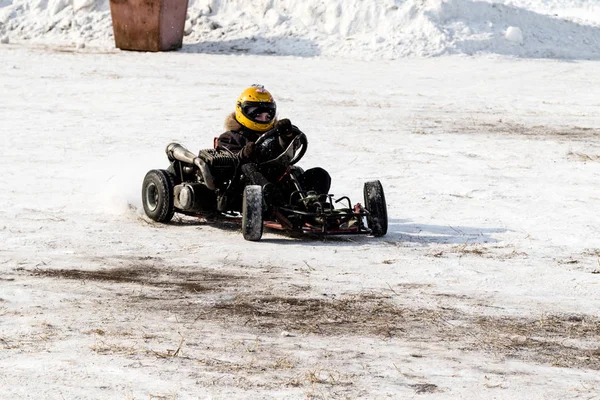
{"points": [[194, 197], [216, 169], [222, 164]]}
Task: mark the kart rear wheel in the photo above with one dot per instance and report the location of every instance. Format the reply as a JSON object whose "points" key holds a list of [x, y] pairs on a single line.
{"points": [[252, 213], [158, 195], [377, 220]]}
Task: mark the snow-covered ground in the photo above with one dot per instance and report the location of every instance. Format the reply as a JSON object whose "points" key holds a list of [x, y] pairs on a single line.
{"points": [[382, 29], [486, 285]]}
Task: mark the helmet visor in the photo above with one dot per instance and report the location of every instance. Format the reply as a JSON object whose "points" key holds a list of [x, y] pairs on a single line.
{"points": [[259, 112]]}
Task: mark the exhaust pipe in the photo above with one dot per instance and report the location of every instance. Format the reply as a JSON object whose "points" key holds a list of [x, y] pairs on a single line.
{"points": [[175, 151]]}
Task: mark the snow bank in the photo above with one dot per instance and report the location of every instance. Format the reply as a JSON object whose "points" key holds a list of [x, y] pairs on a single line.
{"points": [[342, 28]]}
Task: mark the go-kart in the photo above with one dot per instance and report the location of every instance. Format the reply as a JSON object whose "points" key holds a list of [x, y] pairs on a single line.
{"points": [[212, 184]]}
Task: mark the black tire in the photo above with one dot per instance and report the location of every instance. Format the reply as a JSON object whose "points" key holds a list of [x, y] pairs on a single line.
{"points": [[377, 220], [158, 195], [252, 213]]}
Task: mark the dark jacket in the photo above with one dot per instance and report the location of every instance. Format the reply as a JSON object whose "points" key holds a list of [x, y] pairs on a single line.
{"points": [[237, 136]]}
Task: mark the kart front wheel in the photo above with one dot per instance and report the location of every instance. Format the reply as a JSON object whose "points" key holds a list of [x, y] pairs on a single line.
{"points": [[158, 195], [377, 219], [252, 213]]}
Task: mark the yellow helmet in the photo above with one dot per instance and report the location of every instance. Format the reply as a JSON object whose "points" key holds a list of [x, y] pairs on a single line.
{"points": [[255, 109]]}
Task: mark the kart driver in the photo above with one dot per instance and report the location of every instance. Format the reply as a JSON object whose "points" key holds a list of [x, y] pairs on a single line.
{"points": [[255, 113]]}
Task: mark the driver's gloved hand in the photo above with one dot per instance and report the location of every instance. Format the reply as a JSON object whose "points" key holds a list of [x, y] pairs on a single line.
{"points": [[248, 152], [284, 127], [286, 132]]}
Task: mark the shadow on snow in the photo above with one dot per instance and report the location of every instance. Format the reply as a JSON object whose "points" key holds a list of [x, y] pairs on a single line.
{"points": [[399, 231], [403, 231]]}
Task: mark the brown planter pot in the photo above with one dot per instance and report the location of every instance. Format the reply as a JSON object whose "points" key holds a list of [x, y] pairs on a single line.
{"points": [[148, 25]]}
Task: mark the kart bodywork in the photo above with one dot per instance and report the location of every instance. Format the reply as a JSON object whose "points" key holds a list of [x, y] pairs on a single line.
{"points": [[212, 184]]}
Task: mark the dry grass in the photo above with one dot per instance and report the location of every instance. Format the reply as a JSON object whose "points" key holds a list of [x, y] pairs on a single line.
{"points": [[425, 388], [577, 156], [111, 348], [564, 340], [360, 314], [194, 281], [572, 133], [561, 340], [479, 250]]}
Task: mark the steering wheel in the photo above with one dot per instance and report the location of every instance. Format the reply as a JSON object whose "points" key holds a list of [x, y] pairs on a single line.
{"points": [[299, 140]]}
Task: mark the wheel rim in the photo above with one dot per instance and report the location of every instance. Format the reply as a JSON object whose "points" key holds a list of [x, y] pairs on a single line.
{"points": [[151, 197]]}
